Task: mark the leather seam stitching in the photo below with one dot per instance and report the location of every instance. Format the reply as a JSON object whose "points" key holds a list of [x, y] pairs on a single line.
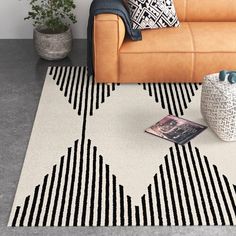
{"points": [[106, 20], [94, 50], [185, 10], [194, 55], [117, 49], [170, 52]]}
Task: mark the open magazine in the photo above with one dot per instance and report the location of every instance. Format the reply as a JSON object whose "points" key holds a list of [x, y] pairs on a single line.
{"points": [[175, 129]]}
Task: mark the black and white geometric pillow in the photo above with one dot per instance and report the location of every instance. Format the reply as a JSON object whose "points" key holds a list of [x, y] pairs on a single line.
{"points": [[151, 14]]}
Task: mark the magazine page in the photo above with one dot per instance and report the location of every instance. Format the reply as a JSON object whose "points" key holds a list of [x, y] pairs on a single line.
{"points": [[175, 129]]}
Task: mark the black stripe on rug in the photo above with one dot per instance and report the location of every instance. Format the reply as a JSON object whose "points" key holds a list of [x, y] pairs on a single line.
{"points": [[174, 97], [187, 190], [71, 81]]}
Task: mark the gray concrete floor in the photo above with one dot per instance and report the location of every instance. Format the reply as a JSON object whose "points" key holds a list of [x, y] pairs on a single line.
{"points": [[22, 75]]}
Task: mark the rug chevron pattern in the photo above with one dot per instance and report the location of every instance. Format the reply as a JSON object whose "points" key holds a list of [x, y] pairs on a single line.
{"points": [[70, 80], [173, 97], [84, 186]]}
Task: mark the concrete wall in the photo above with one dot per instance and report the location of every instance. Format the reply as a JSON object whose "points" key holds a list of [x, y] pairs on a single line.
{"points": [[13, 26]]}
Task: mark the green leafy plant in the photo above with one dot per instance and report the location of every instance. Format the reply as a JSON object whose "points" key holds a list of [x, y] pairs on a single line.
{"points": [[52, 16]]}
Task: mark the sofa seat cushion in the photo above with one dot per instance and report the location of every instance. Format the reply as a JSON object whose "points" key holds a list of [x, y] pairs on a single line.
{"points": [[214, 36], [188, 37], [161, 40], [189, 51]]}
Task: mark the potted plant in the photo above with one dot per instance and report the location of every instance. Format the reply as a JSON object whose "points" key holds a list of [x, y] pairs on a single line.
{"points": [[52, 32]]}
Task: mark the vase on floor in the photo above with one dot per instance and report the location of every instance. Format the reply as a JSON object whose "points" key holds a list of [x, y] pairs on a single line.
{"points": [[52, 46]]}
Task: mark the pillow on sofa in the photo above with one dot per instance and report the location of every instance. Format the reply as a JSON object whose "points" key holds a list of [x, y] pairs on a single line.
{"points": [[151, 14]]}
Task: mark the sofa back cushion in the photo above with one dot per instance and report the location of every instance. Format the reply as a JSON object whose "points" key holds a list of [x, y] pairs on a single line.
{"points": [[206, 10]]}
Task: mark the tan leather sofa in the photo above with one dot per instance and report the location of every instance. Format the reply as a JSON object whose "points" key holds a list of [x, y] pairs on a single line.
{"points": [[205, 42]]}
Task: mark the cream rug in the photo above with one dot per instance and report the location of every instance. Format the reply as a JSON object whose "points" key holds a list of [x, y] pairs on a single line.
{"points": [[90, 163]]}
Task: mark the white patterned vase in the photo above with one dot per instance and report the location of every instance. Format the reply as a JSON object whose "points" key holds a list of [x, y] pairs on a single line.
{"points": [[218, 106]]}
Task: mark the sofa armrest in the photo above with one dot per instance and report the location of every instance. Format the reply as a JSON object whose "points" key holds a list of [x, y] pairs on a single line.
{"points": [[108, 36]]}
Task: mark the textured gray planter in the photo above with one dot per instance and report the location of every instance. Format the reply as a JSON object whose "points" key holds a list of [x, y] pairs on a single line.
{"points": [[53, 46]]}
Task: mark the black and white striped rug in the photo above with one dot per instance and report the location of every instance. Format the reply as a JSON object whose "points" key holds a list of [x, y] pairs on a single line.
{"points": [[90, 163]]}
